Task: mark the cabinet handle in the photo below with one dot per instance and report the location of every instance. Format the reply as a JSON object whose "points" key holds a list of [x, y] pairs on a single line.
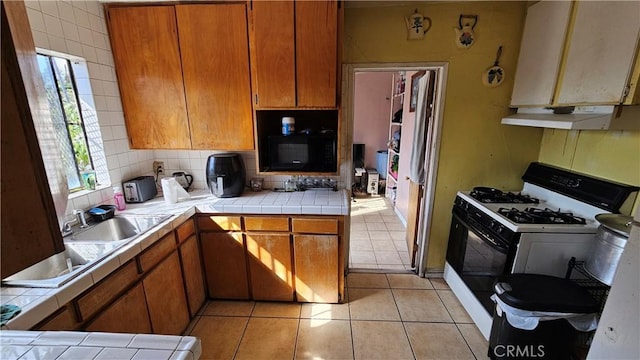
{"points": [[256, 98]]}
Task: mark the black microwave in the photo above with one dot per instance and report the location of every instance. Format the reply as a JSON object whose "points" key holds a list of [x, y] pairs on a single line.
{"points": [[302, 153]]}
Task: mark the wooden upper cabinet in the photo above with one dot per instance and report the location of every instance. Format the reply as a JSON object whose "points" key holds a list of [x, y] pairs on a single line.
{"points": [[295, 62], [215, 65], [316, 52], [144, 40], [273, 53]]}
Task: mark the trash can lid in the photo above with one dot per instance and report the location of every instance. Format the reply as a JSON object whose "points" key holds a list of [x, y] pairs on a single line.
{"points": [[544, 293]]}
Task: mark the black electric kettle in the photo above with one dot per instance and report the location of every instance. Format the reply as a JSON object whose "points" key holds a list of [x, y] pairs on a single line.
{"points": [[183, 179]]}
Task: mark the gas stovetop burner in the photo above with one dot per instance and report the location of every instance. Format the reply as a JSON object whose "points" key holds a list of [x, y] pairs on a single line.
{"points": [[541, 216], [491, 195]]}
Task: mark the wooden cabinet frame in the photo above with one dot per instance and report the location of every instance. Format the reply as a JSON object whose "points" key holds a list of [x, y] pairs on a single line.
{"points": [[100, 307], [265, 257]]}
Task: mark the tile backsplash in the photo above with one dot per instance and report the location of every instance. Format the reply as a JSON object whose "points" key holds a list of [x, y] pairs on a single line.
{"points": [[78, 28]]}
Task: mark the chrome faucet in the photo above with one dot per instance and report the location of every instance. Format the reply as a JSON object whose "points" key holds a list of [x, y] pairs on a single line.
{"points": [[66, 228], [81, 219]]}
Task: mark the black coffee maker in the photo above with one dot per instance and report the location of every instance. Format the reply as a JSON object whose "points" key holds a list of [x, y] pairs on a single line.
{"points": [[226, 175]]}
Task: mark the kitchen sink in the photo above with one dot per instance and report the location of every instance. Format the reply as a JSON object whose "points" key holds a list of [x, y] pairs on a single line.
{"points": [[84, 249], [116, 229]]}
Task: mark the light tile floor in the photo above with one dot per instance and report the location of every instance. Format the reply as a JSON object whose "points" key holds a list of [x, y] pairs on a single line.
{"points": [[377, 236], [386, 316]]}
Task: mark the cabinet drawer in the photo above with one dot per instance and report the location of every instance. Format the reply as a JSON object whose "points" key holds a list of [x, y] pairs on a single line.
{"points": [[314, 225], [266, 223], [219, 223], [63, 319], [106, 290], [185, 230], [157, 252]]}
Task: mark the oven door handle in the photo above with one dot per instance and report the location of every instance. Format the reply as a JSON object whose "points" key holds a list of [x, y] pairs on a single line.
{"points": [[499, 246], [496, 245]]}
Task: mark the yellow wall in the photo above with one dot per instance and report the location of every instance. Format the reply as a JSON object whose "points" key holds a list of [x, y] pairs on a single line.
{"points": [[613, 155], [476, 150]]}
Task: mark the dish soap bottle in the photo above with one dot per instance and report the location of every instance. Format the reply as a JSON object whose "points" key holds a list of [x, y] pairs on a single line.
{"points": [[118, 198]]}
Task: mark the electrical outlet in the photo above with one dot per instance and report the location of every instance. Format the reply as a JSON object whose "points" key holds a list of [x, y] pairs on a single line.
{"points": [[158, 167]]}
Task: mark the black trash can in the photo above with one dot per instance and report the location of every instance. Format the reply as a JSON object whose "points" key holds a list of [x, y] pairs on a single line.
{"points": [[529, 299]]}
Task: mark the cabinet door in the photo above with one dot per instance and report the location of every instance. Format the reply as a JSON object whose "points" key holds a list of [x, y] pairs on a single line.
{"points": [[26, 239], [192, 272], [107, 290], [541, 53], [166, 300], [270, 266], [316, 268], [273, 53], [63, 319], [144, 40], [316, 52], [128, 314], [601, 52], [216, 75], [225, 265]]}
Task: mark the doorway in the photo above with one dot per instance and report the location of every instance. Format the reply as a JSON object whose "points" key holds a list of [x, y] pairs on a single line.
{"points": [[389, 227]]}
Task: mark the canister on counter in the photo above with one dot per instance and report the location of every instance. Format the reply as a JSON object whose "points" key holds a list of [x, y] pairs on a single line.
{"points": [[288, 125]]}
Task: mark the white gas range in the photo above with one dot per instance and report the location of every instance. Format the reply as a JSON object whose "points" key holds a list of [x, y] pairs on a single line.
{"points": [[536, 230]]}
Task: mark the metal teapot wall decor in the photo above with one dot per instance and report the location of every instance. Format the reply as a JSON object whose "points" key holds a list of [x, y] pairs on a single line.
{"points": [[416, 27], [464, 33]]}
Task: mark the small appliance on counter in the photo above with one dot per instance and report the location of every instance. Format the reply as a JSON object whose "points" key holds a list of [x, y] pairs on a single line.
{"points": [[185, 180], [139, 189], [225, 174]]}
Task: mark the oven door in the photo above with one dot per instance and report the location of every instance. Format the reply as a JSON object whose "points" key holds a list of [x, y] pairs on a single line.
{"points": [[477, 258]]}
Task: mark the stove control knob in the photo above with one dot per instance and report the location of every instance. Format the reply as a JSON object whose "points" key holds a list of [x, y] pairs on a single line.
{"points": [[500, 229], [492, 224]]}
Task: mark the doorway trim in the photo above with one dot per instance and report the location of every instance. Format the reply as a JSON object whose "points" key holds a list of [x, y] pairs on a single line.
{"points": [[433, 145]]}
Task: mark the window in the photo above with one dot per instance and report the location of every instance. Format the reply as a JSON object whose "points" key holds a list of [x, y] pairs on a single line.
{"points": [[66, 116]]}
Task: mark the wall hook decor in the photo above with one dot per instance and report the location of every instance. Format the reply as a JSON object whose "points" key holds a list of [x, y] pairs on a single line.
{"points": [[494, 75], [464, 33], [417, 25]]}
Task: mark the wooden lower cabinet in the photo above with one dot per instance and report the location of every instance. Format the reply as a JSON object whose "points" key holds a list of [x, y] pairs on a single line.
{"points": [[128, 314], [270, 266], [192, 272], [273, 257], [166, 301], [63, 319], [316, 268], [107, 290], [225, 265]]}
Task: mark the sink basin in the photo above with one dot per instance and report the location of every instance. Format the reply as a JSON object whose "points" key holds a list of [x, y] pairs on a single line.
{"points": [[117, 228], [56, 270], [84, 249]]}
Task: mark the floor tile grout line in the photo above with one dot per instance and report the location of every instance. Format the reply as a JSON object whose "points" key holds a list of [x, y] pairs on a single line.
{"points": [[465, 341], [406, 333], [244, 331], [295, 343]]}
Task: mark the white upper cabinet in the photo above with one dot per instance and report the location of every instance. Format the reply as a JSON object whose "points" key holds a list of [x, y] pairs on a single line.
{"points": [[579, 53], [540, 53]]}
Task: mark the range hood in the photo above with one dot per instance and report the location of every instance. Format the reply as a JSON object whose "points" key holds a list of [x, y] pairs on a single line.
{"points": [[582, 118]]}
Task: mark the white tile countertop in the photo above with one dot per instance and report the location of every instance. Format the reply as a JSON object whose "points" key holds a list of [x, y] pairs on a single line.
{"points": [[67, 345], [310, 202], [38, 303]]}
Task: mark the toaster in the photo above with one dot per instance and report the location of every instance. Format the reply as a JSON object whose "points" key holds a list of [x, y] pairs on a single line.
{"points": [[139, 189]]}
